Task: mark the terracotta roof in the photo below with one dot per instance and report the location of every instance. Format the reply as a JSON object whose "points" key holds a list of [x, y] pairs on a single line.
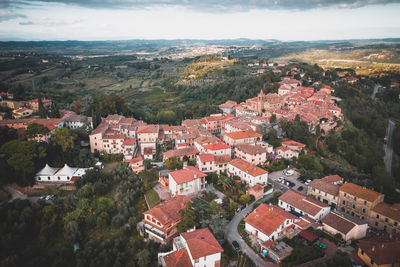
{"points": [[178, 258], [324, 186], [267, 218], [206, 140], [148, 151], [114, 136], [201, 243], [186, 175], [206, 157], [217, 146], [135, 160], [293, 143], [181, 152], [228, 104], [382, 249], [129, 142], [148, 129], [360, 192], [222, 159], [307, 235], [251, 149], [390, 211], [342, 223], [101, 128], [243, 135], [333, 179], [256, 188], [302, 202], [168, 212], [247, 167]]}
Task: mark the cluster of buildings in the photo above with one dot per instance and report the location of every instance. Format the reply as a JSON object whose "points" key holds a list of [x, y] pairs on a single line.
{"points": [[339, 209], [22, 109], [292, 100]]}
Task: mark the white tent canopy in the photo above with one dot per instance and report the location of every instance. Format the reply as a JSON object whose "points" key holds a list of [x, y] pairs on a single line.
{"points": [[47, 171], [66, 171]]}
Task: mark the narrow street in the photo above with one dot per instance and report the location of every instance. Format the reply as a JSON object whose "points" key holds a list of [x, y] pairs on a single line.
{"points": [[389, 146], [233, 234]]}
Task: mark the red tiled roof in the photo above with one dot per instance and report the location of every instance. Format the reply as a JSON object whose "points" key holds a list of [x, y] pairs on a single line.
{"points": [[186, 175], [243, 134], [114, 136], [129, 142], [307, 235], [382, 249], [201, 243], [293, 143], [342, 223], [222, 159], [178, 258], [251, 149], [390, 211], [325, 187], [267, 218], [206, 157], [302, 202], [168, 212], [135, 160], [333, 178], [148, 129], [360, 192], [191, 150], [217, 146], [247, 167]]}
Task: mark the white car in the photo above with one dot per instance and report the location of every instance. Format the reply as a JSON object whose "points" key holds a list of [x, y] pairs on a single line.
{"points": [[307, 182], [290, 172]]}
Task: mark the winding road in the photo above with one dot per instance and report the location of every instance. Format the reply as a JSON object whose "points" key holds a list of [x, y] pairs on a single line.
{"points": [[389, 146], [233, 234]]}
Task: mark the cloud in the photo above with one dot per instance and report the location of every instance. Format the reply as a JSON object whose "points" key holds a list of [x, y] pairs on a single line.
{"points": [[8, 15], [52, 22], [210, 5]]}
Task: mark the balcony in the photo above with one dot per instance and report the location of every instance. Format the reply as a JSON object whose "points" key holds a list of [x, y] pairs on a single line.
{"points": [[154, 231]]}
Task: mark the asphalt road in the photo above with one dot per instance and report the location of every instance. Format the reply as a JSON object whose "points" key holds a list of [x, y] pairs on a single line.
{"points": [[376, 87], [389, 146], [233, 234], [273, 179], [15, 194]]}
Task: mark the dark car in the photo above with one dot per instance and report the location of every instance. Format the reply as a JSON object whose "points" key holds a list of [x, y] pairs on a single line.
{"points": [[291, 184], [236, 245], [300, 188]]}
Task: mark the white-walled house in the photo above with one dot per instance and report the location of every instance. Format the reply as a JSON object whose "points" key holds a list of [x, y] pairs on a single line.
{"points": [[268, 222], [218, 149], [303, 205], [253, 154], [186, 181], [247, 172], [286, 152], [349, 227], [195, 248], [206, 162]]}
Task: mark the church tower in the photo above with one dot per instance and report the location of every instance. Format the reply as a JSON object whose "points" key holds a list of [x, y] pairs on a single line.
{"points": [[260, 102]]}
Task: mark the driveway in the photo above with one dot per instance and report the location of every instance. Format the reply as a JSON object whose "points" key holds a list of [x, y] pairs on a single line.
{"points": [[273, 179], [233, 234], [15, 194], [162, 191]]}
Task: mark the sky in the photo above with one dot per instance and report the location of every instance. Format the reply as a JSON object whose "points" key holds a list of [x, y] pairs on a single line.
{"points": [[285, 20]]}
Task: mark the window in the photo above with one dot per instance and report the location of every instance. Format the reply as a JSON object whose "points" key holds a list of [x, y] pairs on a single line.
{"points": [[345, 194], [395, 223], [354, 206], [377, 216], [386, 219], [355, 198], [365, 202], [362, 252], [376, 223], [344, 202], [38, 178], [58, 178], [363, 210]]}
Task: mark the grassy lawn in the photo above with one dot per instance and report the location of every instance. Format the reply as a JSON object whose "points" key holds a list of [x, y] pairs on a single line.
{"points": [[152, 198]]}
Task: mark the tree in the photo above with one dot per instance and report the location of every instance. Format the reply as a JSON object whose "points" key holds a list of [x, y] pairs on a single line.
{"points": [[143, 258], [35, 129], [71, 229], [63, 138], [171, 163], [7, 134], [273, 118], [244, 199], [23, 158], [42, 110], [188, 219]]}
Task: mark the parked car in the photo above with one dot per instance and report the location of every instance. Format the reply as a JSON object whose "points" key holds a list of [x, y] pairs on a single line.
{"points": [[321, 245], [43, 196], [289, 172], [291, 184], [300, 188], [236, 245], [307, 182]]}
